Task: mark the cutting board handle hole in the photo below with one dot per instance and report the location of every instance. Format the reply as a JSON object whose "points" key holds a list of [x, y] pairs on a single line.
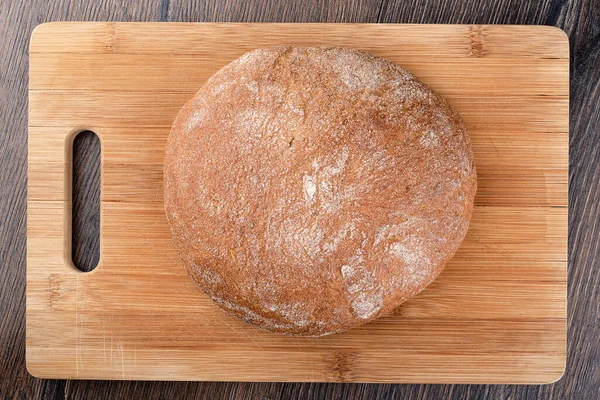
{"points": [[85, 201]]}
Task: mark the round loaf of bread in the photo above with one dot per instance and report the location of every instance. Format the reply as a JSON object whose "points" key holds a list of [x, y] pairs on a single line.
{"points": [[310, 190]]}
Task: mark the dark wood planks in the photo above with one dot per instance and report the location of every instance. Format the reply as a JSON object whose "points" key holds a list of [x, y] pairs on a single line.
{"points": [[579, 18]]}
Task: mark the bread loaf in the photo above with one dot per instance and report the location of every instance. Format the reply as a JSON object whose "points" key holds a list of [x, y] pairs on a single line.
{"points": [[311, 190]]}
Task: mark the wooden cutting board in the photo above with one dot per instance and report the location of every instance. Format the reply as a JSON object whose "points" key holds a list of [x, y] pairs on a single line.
{"points": [[497, 314]]}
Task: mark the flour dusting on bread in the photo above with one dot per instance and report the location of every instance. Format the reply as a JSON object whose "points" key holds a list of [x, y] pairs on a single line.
{"points": [[311, 190]]}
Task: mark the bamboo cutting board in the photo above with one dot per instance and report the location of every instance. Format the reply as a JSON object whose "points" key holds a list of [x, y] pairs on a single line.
{"points": [[497, 314]]}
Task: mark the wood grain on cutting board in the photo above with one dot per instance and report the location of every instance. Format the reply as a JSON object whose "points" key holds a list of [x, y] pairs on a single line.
{"points": [[497, 314]]}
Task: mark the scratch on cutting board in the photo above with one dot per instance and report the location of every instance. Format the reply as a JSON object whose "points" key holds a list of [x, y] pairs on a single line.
{"points": [[104, 342], [111, 350], [148, 241], [494, 146], [122, 359], [254, 341], [246, 334], [298, 343]]}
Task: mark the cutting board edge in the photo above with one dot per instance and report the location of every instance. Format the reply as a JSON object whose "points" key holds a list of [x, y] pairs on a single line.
{"points": [[37, 31]]}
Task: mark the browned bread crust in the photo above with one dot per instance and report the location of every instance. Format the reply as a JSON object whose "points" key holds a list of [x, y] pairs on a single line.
{"points": [[310, 190]]}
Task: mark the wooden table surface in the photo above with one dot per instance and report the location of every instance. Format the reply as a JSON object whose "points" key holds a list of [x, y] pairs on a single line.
{"points": [[580, 19]]}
